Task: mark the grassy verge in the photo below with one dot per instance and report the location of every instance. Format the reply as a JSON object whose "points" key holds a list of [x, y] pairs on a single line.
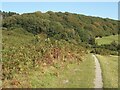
{"points": [[109, 65], [61, 75], [107, 39]]}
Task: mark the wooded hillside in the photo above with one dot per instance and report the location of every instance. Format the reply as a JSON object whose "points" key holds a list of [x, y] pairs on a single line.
{"points": [[68, 26]]}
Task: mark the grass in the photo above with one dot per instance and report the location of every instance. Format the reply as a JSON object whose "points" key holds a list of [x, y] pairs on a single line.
{"points": [[65, 75], [109, 65], [16, 37], [19, 53], [23, 61], [107, 39]]}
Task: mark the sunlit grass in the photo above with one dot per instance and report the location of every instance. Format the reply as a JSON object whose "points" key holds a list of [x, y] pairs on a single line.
{"points": [[109, 65], [107, 39], [66, 76], [23, 62]]}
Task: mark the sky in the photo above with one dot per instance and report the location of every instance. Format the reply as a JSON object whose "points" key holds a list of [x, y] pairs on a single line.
{"points": [[98, 9]]}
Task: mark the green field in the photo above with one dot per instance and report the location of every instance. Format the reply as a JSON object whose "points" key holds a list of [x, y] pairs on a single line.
{"points": [[63, 76], [107, 39], [109, 65]]}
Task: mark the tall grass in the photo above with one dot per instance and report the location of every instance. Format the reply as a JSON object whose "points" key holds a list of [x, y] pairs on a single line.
{"points": [[23, 52]]}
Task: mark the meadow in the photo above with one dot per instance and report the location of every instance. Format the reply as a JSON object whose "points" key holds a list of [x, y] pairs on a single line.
{"points": [[109, 66], [107, 39], [31, 61], [64, 75]]}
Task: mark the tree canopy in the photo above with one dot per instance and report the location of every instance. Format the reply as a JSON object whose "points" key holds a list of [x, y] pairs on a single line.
{"points": [[58, 25]]}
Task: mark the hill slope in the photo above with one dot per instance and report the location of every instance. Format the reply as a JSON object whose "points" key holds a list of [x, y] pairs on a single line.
{"points": [[37, 41], [68, 26]]}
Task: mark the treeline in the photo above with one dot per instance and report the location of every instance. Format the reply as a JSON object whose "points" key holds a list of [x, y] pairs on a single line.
{"points": [[107, 49], [7, 14], [71, 27]]}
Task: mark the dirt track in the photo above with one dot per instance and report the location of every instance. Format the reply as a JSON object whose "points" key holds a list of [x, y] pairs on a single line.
{"points": [[98, 76]]}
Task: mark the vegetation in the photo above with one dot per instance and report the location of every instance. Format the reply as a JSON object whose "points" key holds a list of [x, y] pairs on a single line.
{"points": [[107, 39], [109, 65], [53, 45], [7, 14], [23, 52], [71, 27], [107, 45], [62, 75]]}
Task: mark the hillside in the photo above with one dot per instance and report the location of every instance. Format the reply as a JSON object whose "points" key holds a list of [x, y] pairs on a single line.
{"points": [[50, 49], [68, 26]]}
